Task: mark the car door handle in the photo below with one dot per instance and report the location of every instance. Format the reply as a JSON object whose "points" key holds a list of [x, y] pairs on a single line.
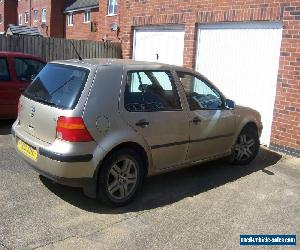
{"points": [[196, 120], [21, 89], [142, 123]]}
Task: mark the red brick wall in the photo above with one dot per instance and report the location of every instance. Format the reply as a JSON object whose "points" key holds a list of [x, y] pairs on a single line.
{"points": [[8, 10], [81, 30], [286, 123], [105, 22], [23, 6], [2, 29], [57, 19], [54, 25]]}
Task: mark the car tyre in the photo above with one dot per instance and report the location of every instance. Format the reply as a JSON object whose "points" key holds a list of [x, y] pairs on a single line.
{"points": [[120, 178], [246, 147]]}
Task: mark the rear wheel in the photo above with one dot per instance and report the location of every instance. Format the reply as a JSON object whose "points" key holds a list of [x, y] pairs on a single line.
{"points": [[246, 147], [120, 178]]}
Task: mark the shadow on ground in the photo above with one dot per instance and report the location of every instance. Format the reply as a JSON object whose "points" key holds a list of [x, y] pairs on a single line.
{"points": [[5, 126], [168, 188]]}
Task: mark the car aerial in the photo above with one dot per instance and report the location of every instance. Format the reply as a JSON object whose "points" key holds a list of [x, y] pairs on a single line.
{"points": [[106, 124], [16, 72]]}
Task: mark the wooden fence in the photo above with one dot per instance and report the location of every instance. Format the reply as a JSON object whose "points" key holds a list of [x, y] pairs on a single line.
{"points": [[58, 48]]}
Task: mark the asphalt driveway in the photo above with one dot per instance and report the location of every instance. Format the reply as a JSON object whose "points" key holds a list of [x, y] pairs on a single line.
{"points": [[203, 207]]}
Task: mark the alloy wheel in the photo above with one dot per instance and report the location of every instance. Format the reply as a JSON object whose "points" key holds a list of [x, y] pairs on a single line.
{"points": [[122, 178], [245, 148]]}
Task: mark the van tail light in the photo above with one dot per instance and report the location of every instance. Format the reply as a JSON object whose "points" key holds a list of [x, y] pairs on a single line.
{"points": [[72, 129]]}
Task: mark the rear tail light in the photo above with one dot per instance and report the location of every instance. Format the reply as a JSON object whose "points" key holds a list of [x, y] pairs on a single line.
{"points": [[72, 129]]}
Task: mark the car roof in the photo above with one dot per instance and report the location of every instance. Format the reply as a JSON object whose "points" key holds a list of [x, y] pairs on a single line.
{"points": [[94, 62], [129, 63], [106, 61], [19, 54]]}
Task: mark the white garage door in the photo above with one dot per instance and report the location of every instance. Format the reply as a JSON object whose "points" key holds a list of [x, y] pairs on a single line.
{"points": [[159, 44], [242, 60]]}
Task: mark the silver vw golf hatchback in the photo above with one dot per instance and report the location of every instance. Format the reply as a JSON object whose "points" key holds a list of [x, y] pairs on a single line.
{"points": [[105, 124]]}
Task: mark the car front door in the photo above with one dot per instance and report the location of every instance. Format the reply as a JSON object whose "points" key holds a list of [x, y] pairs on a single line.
{"points": [[153, 108], [212, 125]]}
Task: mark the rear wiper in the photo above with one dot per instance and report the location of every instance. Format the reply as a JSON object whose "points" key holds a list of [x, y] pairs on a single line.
{"points": [[64, 84]]}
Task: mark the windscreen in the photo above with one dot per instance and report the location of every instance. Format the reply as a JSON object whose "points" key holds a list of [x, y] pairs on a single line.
{"points": [[58, 85]]}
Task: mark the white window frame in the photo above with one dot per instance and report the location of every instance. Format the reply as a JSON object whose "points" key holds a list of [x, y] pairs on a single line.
{"points": [[113, 3], [20, 19], [35, 18], [44, 15], [26, 17], [70, 19], [87, 16]]}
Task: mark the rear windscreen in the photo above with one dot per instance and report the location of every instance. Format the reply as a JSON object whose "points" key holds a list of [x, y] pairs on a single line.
{"points": [[58, 85]]}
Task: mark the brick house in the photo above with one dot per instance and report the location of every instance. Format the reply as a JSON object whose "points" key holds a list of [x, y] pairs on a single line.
{"points": [[47, 15], [249, 49], [82, 19], [8, 14]]}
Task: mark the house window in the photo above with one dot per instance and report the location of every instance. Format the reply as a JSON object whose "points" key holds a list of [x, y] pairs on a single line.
{"points": [[1, 19], [26, 17], [87, 16], [44, 15], [20, 19], [70, 19], [112, 7], [35, 15]]}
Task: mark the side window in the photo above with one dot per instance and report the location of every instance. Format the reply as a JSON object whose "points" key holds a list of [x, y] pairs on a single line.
{"points": [[4, 73], [200, 94], [27, 69], [151, 91]]}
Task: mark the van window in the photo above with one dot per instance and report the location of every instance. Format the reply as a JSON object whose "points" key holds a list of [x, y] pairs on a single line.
{"points": [[58, 85]]}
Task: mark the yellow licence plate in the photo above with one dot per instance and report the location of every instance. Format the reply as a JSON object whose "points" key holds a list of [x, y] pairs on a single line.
{"points": [[27, 150]]}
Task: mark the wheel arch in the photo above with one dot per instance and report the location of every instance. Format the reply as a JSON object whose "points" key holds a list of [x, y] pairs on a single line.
{"points": [[91, 189], [248, 122], [132, 145]]}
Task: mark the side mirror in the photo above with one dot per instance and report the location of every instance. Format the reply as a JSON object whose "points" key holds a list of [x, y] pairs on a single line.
{"points": [[229, 104]]}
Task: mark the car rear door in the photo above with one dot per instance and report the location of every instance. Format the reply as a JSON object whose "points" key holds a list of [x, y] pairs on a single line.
{"points": [[211, 125], [9, 89], [152, 107]]}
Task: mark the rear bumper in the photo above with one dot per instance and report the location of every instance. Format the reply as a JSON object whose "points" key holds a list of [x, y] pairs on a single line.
{"points": [[76, 170], [72, 168], [71, 182], [65, 158]]}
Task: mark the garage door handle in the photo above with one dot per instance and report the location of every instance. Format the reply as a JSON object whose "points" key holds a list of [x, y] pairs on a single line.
{"points": [[142, 123], [196, 120]]}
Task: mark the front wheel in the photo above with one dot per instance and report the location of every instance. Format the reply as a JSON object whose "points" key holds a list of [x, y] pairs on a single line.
{"points": [[120, 178], [246, 147]]}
